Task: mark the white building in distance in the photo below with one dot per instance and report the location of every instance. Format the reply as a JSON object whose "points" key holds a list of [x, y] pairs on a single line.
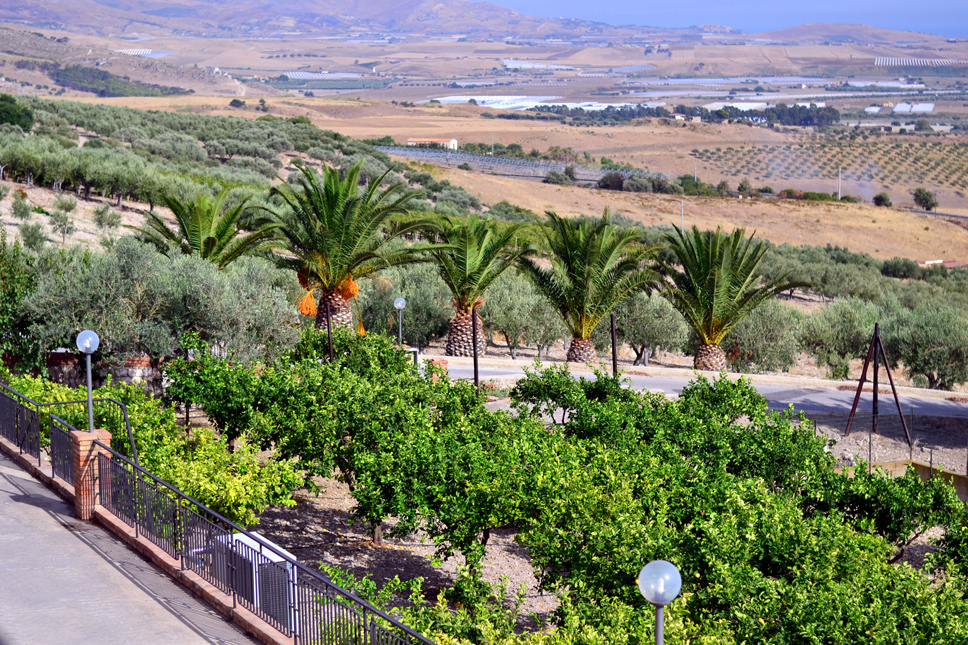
{"points": [[448, 144]]}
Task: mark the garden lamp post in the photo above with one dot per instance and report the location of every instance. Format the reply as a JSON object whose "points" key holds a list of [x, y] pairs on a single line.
{"points": [[400, 304], [660, 583], [88, 342]]}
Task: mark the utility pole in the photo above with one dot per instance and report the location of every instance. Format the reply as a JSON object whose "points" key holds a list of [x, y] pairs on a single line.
{"points": [[682, 216], [695, 172], [839, 170], [492, 143]]}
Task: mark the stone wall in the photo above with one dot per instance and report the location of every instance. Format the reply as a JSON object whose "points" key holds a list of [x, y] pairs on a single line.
{"points": [[65, 368], [68, 369]]}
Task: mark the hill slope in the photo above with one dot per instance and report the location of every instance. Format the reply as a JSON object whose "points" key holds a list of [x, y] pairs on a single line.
{"points": [[276, 18], [844, 33]]}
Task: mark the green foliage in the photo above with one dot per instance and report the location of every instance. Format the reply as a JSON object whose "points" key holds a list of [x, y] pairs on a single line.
{"points": [[767, 340], [840, 332], [33, 236], [104, 83], [428, 303], [105, 218], [334, 232], [369, 356], [519, 313], [593, 268], [61, 222], [235, 483], [208, 229], [932, 343], [15, 113], [650, 324], [21, 208], [508, 212], [472, 255], [716, 286], [17, 281], [882, 199], [142, 302], [925, 199], [557, 178], [65, 203]]}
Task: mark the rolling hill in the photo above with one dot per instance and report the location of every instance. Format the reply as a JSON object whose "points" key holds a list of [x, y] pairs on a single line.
{"points": [[274, 18], [846, 33]]}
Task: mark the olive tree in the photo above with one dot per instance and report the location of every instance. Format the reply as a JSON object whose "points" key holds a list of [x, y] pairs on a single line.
{"points": [[650, 324], [932, 343]]}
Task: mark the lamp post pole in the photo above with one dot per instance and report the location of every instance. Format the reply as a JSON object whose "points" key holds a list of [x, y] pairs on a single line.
{"points": [[477, 380], [329, 330], [90, 395], [88, 342], [400, 304], [614, 349]]}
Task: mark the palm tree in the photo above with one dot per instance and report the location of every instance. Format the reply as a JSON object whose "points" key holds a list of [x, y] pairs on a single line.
{"points": [[714, 285], [473, 255], [593, 267], [206, 229], [335, 235]]}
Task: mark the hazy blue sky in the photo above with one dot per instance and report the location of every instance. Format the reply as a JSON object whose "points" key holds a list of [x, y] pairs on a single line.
{"points": [[942, 17]]}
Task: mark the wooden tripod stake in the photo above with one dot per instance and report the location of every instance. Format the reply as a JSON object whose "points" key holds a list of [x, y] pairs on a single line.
{"points": [[877, 350]]}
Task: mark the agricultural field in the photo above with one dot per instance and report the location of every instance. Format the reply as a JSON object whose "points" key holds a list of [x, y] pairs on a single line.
{"points": [[878, 164]]}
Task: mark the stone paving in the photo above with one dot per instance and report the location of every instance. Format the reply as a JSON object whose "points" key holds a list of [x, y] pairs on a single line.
{"points": [[64, 581]]}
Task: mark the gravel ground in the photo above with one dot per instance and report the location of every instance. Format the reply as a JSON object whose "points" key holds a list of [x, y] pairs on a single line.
{"points": [[938, 441]]}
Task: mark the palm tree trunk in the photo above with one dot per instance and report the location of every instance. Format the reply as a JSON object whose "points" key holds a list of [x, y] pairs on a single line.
{"points": [[581, 350], [711, 358], [460, 335], [339, 308]]}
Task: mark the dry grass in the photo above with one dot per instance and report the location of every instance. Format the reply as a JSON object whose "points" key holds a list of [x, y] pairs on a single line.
{"points": [[884, 233]]}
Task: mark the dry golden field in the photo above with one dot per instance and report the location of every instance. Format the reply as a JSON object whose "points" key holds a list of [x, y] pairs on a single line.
{"points": [[882, 232], [660, 146]]}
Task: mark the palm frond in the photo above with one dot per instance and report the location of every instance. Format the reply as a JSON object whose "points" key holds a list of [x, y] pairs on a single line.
{"points": [[593, 267], [714, 284]]}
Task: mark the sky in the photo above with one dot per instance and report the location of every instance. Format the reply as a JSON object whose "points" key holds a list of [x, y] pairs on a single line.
{"points": [[942, 17]]}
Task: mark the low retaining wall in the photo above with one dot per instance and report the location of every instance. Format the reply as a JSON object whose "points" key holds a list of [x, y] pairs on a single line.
{"points": [[957, 481], [65, 368]]}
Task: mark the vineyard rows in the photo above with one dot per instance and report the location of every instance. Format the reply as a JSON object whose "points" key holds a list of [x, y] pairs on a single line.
{"points": [[940, 164]]}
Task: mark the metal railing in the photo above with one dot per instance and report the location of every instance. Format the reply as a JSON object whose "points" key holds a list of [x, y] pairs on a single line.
{"points": [[61, 449], [20, 421], [110, 414], [260, 576]]}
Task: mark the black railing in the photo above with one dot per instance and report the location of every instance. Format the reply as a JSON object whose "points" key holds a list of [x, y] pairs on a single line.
{"points": [[61, 450], [109, 414], [20, 421], [259, 575]]}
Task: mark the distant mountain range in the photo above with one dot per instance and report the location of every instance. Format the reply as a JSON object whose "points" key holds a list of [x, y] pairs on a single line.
{"points": [[266, 18], [366, 18]]}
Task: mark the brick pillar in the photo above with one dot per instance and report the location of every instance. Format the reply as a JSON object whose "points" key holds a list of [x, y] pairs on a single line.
{"points": [[85, 454]]}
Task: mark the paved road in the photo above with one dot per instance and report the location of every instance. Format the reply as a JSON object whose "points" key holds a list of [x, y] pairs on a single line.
{"points": [[65, 582], [809, 400]]}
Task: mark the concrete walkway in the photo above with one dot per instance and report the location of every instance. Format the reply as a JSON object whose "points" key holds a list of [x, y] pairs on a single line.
{"points": [[63, 581]]}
